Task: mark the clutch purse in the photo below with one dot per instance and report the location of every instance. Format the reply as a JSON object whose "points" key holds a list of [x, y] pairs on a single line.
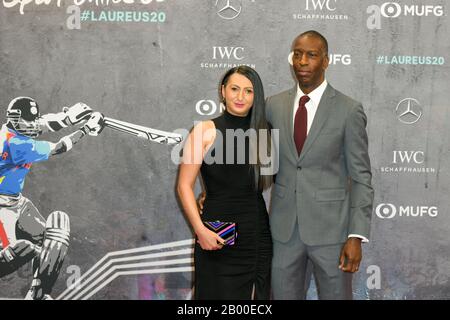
{"points": [[225, 230]]}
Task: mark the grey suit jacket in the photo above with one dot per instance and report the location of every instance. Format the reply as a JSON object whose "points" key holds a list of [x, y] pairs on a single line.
{"points": [[328, 187]]}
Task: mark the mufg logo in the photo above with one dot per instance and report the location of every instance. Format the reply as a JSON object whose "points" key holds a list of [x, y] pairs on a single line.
{"points": [[389, 211], [208, 107], [392, 10]]}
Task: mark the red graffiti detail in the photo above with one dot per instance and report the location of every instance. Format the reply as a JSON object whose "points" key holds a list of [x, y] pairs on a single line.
{"points": [[3, 237]]}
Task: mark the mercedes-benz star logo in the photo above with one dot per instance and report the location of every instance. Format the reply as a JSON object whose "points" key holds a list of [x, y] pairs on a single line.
{"points": [[228, 11], [408, 111]]}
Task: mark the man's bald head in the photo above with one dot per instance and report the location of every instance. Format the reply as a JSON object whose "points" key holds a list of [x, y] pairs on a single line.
{"points": [[314, 34]]}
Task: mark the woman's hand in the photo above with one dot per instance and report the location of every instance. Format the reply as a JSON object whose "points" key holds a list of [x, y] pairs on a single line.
{"points": [[209, 240]]}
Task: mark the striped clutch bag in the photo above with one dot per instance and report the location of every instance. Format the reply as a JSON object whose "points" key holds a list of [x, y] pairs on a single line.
{"points": [[225, 230]]}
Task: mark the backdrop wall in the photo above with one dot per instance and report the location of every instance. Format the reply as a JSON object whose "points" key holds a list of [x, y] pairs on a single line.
{"points": [[158, 63]]}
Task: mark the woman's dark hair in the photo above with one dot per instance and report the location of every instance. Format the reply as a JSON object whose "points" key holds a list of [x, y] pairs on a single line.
{"points": [[258, 120]]}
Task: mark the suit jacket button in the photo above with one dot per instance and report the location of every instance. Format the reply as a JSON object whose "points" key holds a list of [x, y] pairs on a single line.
{"points": [[299, 168]]}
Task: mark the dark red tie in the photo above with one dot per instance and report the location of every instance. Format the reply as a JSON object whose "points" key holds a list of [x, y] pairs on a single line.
{"points": [[301, 124]]}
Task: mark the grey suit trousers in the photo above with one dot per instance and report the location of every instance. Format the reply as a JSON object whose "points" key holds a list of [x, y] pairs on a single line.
{"points": [[291, 266]]}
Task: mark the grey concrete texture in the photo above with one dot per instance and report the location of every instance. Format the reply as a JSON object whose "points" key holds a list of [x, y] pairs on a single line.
{"points": [[120, 191]]}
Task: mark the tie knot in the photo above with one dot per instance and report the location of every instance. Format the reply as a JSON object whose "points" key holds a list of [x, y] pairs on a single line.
{"points": [[304, 100]]}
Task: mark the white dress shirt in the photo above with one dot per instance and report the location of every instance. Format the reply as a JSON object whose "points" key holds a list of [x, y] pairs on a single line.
{"points": [[311, 107]]}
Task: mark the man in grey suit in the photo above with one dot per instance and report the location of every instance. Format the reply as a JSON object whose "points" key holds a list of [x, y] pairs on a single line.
{"points": [[322, 199]]}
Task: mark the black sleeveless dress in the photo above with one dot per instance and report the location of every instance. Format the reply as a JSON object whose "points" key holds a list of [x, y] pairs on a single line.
{"points": [[233, 272]]}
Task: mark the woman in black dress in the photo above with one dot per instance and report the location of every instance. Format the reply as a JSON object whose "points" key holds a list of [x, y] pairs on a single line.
{"points": [[234, 179]]}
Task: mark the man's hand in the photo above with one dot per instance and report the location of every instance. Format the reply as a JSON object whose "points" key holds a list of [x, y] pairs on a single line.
{"points": [[77, 113], [351, 255], [200, 200], [95, 124]]}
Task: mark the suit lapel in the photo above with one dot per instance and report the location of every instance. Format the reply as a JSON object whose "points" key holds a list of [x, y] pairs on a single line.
{"points": [[321, 116], [288, 119]]}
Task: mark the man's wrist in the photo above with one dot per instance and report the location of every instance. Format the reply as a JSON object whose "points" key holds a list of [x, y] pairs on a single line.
{"points": [[359, 236]]}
